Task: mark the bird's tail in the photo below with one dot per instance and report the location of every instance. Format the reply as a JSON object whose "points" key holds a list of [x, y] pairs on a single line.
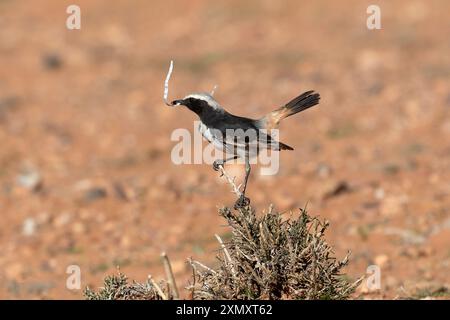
{"points": [[302, 102]]}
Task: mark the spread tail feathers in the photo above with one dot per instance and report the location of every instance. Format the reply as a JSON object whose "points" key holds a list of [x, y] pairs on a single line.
{"points": [[302, 102]]}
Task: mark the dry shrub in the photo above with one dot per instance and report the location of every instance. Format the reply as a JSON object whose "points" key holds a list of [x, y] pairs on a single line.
{"points": [[116, 287], [271, 258]]}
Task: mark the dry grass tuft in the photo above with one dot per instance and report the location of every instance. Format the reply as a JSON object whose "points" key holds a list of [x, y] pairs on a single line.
{"points": [[116, 287]]}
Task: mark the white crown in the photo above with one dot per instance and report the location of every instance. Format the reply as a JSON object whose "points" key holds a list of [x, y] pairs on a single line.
{"points": [[205, 97]]}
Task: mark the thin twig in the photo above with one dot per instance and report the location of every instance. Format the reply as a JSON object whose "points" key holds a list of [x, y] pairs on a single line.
{"points": [[166, 85], [226, 253], [194, 278], [157, 287], [203, 266], [235, 188], [170, 277]]}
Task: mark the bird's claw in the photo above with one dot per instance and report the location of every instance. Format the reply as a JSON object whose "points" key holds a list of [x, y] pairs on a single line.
{"points": [[217, 164], [242, 202]]}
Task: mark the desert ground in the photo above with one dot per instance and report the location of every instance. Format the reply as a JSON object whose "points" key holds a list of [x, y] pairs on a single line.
{"points": [[86, 176]]}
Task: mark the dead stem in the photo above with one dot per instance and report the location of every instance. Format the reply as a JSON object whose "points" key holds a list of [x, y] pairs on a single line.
{"points": [[170, 276], [235, 188]]}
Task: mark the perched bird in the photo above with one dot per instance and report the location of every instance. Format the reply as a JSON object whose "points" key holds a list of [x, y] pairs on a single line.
{"points": [[238, 136]]}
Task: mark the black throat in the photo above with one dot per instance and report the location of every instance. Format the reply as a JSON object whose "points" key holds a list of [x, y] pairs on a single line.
{"points": [[205, 112]]}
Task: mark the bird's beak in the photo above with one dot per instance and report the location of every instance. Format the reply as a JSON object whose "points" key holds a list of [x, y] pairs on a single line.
{"points": [[177, 102]]}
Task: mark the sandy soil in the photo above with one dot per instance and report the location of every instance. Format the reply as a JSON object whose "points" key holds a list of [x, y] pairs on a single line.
{"points": [[85, 171]]}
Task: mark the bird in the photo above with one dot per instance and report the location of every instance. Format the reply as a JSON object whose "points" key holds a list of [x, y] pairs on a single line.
{"points": [[242, 137]]}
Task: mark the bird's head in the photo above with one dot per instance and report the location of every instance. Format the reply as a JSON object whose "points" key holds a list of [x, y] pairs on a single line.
{"points": [[197, 102]]}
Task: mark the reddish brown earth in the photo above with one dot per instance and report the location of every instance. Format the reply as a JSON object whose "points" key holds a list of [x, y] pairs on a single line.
{"points": [[85, 170]]}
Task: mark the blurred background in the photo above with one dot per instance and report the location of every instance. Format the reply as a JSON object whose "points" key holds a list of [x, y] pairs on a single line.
{"points": [[85, 170]]}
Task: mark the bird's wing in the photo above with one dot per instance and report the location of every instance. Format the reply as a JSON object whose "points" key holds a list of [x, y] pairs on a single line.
{"points": [[239, 141], [266, 141]]}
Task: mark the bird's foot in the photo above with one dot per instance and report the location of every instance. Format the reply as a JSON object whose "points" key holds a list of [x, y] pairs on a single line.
{"points": [[217, 164], [242, 202]]}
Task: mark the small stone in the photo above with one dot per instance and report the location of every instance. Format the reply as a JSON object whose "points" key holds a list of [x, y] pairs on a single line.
{"points": [[30, 179], [124, 192], [29, 227], [379, 193], [52, 61], [94, 193], [337, 189], [323, 170], [381, 260]]}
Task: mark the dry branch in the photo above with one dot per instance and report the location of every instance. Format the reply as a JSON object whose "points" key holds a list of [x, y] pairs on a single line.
{"points": [[235, 189], [226, 254], [157, 288], [170, 276]]}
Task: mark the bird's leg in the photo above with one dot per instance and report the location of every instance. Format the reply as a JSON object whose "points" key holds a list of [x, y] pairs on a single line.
{"points": [[218, 163], [247, 174], [243, 201]]}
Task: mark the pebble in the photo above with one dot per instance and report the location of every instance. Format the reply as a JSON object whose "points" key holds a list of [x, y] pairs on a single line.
{"points": [[337, 189], [381, 260], [323, 171], [29, 227], [94, 193], [30, 179], [52, 61], [379, 193]]}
